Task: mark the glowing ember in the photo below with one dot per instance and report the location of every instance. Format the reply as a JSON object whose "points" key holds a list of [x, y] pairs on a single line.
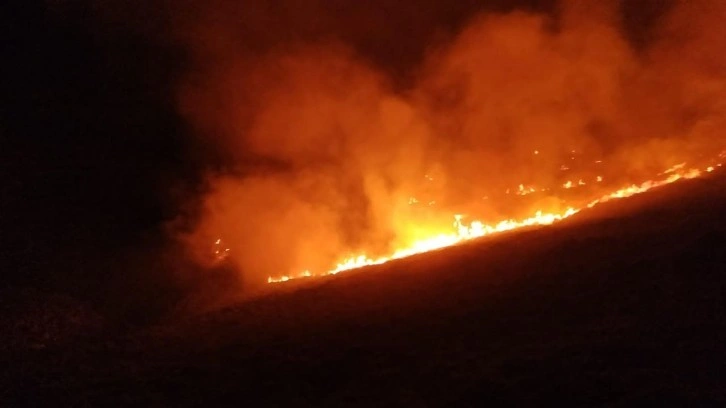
{"points": [[220, 252], [523, 191], [476, 229]]}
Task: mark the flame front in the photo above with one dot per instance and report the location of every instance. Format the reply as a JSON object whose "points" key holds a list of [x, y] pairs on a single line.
{"points": [[333, 156], [476, 229]]}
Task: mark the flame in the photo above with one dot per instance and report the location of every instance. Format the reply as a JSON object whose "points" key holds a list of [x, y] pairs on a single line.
{"points": [[673, 169], [476, 229]]}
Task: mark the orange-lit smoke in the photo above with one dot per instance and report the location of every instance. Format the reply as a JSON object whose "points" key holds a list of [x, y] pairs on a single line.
{"points": [[520, 112]]}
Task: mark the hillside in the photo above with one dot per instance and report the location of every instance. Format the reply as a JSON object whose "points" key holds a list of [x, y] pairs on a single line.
{"points": [[625, 304]]}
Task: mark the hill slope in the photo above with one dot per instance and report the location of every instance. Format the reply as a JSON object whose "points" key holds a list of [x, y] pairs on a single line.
{"points": [[622, 305]]}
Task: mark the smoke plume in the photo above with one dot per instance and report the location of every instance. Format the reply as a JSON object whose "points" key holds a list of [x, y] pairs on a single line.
{"points": [[329, 152]]}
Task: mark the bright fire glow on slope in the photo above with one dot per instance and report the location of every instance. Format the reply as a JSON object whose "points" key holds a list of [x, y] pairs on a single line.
{"points": [[476, 229]]}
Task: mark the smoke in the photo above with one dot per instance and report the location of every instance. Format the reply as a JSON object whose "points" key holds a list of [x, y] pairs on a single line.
{"points": [[335, 150], [328, 154]]}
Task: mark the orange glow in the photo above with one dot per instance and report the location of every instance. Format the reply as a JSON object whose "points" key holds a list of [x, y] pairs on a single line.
{"points": [[331, 159], [477, 229]]}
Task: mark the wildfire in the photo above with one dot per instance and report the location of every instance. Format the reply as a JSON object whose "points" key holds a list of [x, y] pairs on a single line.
{"points": [[476, 229]]}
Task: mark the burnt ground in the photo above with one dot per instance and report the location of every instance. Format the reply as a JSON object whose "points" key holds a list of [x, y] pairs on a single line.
{"points": [[624, 305]]}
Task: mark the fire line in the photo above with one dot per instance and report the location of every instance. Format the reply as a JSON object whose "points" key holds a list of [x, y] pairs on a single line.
{"points": [[477, 229]]}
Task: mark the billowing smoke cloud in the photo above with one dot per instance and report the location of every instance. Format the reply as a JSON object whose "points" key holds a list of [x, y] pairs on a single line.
{"points": [[329, 155], [335, 152]]}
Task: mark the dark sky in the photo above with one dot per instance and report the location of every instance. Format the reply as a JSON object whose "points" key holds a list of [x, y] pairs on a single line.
{"points": [[94, 154]]}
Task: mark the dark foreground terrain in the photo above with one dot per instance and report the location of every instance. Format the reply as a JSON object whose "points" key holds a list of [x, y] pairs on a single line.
{"points": [[625, 305]]}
